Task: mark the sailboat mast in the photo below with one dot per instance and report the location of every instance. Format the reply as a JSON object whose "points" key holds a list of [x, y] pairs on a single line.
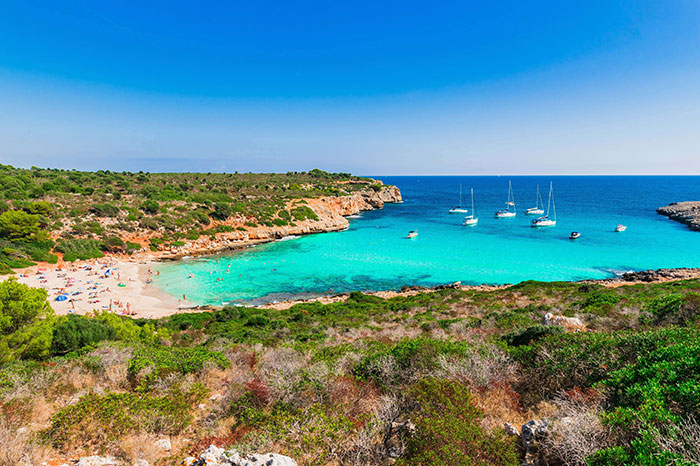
{"points": [[554, 205], [460, 195], [473, 213], [549, 199]]}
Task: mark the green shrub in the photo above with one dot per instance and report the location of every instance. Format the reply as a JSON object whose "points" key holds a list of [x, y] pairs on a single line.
{"points": [[18, 224], [26, 322], [104, 210], [448, 430], [113, 243], [221, 211], [107, 418], [525, 336], [410, 356], [150, 206], [166, 360], [74, 332], [303, 212], [83, 249]]}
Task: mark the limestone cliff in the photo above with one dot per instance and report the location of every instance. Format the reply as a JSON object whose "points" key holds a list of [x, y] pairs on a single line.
{"points": [[331, 213]]}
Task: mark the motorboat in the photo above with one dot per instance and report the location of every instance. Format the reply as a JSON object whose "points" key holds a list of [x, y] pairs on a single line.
{"points": [[574, 235]]}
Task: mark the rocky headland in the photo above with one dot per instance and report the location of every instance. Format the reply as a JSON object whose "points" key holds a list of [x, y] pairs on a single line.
{"points": [[330, 210], [687, 212]]}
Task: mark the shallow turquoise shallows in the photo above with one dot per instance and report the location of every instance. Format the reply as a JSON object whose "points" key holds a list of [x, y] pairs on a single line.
{"points": [[374, 254]]}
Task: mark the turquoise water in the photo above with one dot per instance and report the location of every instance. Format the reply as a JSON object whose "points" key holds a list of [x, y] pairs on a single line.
{"points": [[373, 254]]}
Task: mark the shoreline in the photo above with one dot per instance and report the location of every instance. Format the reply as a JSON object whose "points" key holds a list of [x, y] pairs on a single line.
{"points": [[121, 285]]}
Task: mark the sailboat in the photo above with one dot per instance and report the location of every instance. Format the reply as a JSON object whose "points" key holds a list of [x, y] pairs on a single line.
{"points": [[539, 205], [510, 202], [545, 221], [459, 208], [472, 219]]}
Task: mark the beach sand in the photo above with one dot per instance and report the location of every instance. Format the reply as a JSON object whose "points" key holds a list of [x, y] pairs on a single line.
{"points": [[106, 284]]}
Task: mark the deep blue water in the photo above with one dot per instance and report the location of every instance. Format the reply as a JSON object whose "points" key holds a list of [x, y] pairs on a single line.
{"points": [[373, 254]]}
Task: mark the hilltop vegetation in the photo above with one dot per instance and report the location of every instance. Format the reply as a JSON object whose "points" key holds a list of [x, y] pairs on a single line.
{"points": [[428, 379], [84, 214]]}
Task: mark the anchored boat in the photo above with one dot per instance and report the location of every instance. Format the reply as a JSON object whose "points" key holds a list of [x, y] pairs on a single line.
{"points": [[472, 219], [459, 208], [539, 205], [545, 221], [509, 211]]}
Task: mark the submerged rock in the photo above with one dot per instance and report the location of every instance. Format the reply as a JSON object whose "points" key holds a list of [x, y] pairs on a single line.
{"points": [[214, 456]]}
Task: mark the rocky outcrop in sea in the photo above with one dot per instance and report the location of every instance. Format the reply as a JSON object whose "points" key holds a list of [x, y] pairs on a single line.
{"points": [[687, 213]]}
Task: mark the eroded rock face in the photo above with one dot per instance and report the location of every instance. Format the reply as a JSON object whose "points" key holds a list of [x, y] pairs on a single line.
{"points": [[330, 210], [572, 324], [687, 213], [215, 456]]}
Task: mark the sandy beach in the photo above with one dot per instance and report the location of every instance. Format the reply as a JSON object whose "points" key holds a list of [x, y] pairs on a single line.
{"points": [[106, 284]]}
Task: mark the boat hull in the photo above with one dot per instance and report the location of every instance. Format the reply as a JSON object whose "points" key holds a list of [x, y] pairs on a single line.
{"points": [[470, 222], [459, 211], [534, 212], [543, 223], [505, 214]]}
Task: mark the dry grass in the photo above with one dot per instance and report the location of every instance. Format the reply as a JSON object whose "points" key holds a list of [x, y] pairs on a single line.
{"points": [[576, 430], [682, 438], [17, 448]]}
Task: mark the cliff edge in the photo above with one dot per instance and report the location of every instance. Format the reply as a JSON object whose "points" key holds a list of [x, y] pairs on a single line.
{"points": [[331, 213]]}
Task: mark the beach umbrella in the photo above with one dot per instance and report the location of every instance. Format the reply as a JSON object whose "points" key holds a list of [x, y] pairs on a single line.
{"points": [[61, 297]]}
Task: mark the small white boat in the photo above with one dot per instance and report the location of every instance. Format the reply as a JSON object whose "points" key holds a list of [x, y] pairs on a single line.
{"points": [[574, 235], [459, 209], [510, 203], [539, 205], [620, 228], [412, 234], [545, 221], [472, 219]]}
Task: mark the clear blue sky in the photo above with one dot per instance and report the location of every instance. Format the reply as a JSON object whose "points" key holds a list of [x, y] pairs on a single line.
{"points": [[473, 87]]}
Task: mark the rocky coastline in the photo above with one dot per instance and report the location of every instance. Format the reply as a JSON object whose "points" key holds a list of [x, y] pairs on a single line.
{"points": [[687, 213], [627, 278], [332, 213]]}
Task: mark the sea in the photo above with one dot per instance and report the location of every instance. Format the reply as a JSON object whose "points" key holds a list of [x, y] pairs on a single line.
{"points": [[374, 253]]}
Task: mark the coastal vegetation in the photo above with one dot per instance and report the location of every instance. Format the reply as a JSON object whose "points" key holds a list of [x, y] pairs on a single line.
{"points": [[81, 215], [424, 378]]}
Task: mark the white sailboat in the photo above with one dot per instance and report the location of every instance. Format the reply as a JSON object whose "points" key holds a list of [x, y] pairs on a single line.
{"points": [[545, 221], [459, 209], [539, 205], [471, 219], [509, 211]]}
